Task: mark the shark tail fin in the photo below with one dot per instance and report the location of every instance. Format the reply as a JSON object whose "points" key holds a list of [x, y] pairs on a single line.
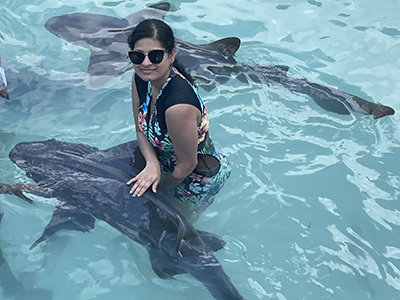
{"points": [[379, 110], [330, 99]]}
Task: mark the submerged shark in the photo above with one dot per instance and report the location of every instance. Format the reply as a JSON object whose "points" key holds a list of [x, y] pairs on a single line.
{"points": [[210, 64], [91, 184]]}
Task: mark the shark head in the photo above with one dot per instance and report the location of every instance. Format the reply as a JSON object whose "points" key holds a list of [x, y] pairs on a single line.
{"points": [[26, 155], [105, 36], [32, 157], [81, 26], [46, 154], [38, 158]]}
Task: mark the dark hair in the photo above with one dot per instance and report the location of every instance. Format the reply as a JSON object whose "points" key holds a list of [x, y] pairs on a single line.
{"points": [[160, 31]]}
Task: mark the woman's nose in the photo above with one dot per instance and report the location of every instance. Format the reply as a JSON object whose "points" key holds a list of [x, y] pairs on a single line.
{"points": [[146, 61]]}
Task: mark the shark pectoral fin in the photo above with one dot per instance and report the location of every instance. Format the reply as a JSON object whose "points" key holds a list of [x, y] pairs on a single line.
{"points": [[162, 266], [211, 240], [66, 219]]}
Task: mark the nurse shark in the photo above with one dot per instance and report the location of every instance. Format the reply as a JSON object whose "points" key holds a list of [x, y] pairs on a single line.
{"points": [[91, 184], [210, 64]]}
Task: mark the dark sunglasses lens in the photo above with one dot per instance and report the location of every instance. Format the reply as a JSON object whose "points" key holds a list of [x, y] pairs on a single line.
{"points": [[136, 57], [156, 56]]}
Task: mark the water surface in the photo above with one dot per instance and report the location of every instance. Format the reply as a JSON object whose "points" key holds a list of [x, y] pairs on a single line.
{"points": [[311, 209]]}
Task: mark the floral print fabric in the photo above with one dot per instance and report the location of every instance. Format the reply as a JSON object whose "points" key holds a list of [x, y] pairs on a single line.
{"points": [[195, 189]]}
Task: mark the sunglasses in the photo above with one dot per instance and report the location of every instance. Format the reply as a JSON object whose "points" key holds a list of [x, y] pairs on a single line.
{"points": [[155, 56]]}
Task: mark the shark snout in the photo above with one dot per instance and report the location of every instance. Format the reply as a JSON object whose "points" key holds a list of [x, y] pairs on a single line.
{"points": [[17, 155], [51, 24], [21, 152], [16, 152]]}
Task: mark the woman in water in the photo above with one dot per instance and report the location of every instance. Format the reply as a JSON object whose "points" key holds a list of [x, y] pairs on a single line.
{"points": [[171, 122]]}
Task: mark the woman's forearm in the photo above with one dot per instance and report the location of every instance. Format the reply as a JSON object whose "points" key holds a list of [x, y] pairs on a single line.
{"points": [[180, 172], [169, 181], [147, 149]]}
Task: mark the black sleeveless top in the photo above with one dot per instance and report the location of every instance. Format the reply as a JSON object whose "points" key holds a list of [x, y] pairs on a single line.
{"points": [[176, 90]]}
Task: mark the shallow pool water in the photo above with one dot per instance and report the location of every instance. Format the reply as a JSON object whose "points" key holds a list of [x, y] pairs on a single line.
{"points": [[311, 210]]}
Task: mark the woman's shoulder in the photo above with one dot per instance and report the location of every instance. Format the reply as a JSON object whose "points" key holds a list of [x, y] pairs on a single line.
{"points": [[180, 92], [179, 85], [179, 82]]}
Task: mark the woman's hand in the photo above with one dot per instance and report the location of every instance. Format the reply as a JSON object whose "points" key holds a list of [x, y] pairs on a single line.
{"points": [[150, 176]]}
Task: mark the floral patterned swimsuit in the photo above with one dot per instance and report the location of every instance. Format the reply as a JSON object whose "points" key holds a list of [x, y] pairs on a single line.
{"points": [[195, 189]]}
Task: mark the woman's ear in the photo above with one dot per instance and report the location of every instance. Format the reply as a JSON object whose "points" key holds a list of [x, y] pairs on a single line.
{"points": [[172, 56]]}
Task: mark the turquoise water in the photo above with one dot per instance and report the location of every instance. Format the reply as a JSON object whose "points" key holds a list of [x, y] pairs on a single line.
{"points": [[311, 210]]}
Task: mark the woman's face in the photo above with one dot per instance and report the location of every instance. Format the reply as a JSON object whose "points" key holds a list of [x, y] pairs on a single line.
{"points": [[148, 71]]}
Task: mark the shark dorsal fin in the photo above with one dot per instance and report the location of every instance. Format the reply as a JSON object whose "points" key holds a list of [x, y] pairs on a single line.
{"points": [[227, 46]]}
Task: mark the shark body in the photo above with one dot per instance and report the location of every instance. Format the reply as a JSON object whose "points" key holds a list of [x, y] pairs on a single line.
{"points": [[91, 184]]}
